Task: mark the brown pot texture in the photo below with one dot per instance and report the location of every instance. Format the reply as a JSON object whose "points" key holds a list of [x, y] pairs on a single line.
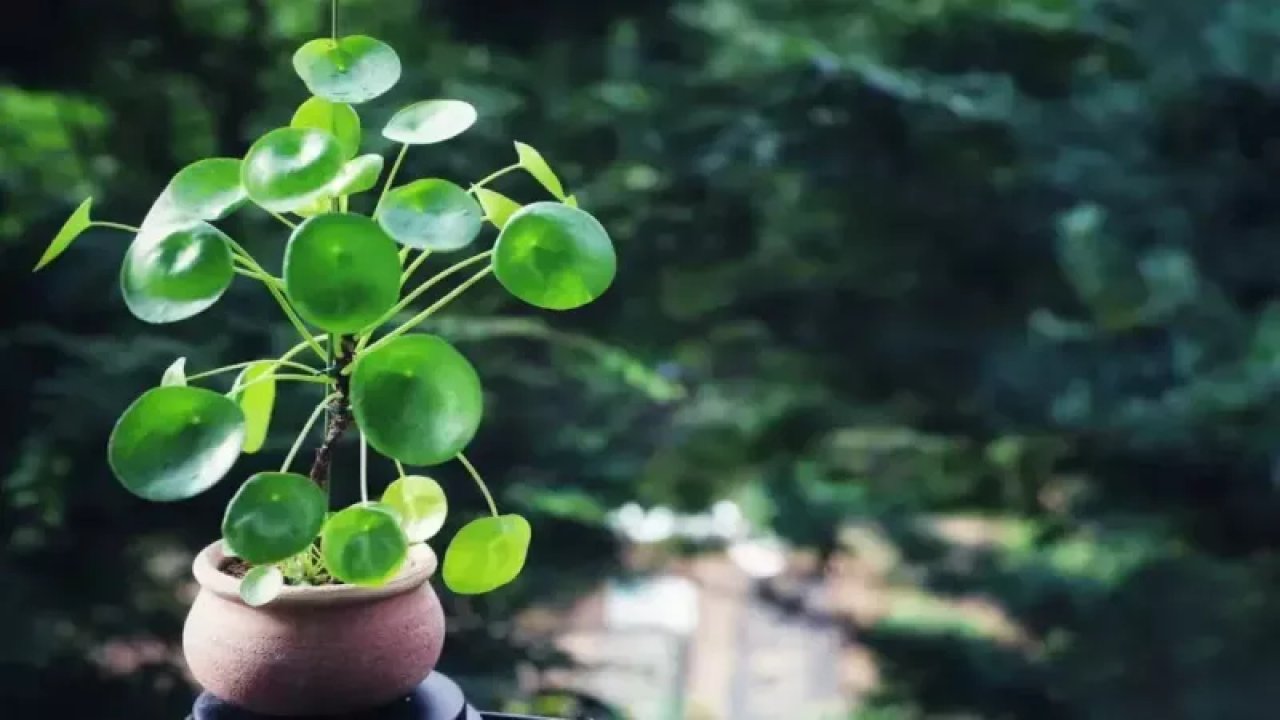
{"points": [[314, 650]]}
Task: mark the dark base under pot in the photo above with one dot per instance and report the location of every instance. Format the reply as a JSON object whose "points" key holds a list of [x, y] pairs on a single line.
{"points": [[437, 698]]}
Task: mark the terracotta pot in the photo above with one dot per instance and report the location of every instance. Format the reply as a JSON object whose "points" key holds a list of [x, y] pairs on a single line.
{"points": [[314, 650]]}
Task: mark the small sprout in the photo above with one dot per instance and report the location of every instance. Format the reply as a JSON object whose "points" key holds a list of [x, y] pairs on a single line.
{"points": [[534, 164], [498, 208], [71, 229], [175, 374]]}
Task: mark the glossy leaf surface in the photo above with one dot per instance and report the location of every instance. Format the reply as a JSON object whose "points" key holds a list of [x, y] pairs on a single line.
{"points": [[274, 516], [417, 399], [341, 271], [363, 545], [554, 256], [431, 215], [174, 443], [338, 119], [355, 69], [289, 168], [173, 272], [430, 121], [421, 505], [207, 189], [487, 554], [261, 585]]}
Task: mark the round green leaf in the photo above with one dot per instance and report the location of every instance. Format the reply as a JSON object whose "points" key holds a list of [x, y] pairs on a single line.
{"points": [[420, 504], [554, 256], [430, 121], [71, 229], [261, 585], [207, 189], [172, 272], [354, 69], [341, 271], [358, 175], [363, 545], [175, 442], [498, 208], [289, 168], [417, 399], [486, 554], [338, 119], [274, 516], [431, 215], [257, 398]]}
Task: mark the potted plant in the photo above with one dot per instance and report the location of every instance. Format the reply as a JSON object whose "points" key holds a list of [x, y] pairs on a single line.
{"points": [[303, 610]]}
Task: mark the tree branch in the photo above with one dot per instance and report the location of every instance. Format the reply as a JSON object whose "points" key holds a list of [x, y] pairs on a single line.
{"points": [[339, 415]]}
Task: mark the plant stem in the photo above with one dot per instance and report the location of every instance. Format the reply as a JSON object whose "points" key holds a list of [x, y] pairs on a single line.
{"points": [[339, 410], [297, 444], [416, 319], [391, 177], [399, 467], [494, 176], [115, 226], [364, 469], [334, 26], [282, 218], [493, 508], [418, 291], [280, 298], [251, 273], [243, 365], [413, 266]]}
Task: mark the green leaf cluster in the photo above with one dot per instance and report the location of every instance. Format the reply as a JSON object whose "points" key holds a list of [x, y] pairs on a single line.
{"points": [[414, 398]]}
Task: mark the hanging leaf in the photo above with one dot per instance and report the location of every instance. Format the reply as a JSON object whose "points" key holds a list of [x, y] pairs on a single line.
{"points": [[290, 168], [554, 257], [342, 272], [354, 69], [71, 229], [176, 374], [498, 208], [363, 545], [274, 516], [421, 505], [487, 554], [174, 443], [417, 399], [431, 215], [173, 272], [256, 398], [338, 119], [534, 164], [430, 121], [261, 585]]}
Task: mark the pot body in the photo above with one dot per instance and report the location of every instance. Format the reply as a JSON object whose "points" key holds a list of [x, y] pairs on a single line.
{"points": [[314, 651]]}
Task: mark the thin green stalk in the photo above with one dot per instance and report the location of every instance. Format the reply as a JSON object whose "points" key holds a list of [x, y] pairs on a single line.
{"points": [[115, 226], [493, 508], [306, 429], [243, 365], [391, 177], [267, 279], [282, 219], [418, 291], [399, 467], [317, 379], [494, 176], [280, 298], [416, 319], [364, 469], [413, 266], [334, 25]]}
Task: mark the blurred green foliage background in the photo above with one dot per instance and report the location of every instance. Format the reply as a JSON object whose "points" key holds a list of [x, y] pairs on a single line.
{"points": [[879, 261]]}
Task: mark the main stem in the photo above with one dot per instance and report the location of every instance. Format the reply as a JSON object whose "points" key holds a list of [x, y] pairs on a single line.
{"points": [[338, 415]]}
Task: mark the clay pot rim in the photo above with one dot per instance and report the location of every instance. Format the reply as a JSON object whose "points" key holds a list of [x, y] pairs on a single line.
{"points": [[418, 569]]}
